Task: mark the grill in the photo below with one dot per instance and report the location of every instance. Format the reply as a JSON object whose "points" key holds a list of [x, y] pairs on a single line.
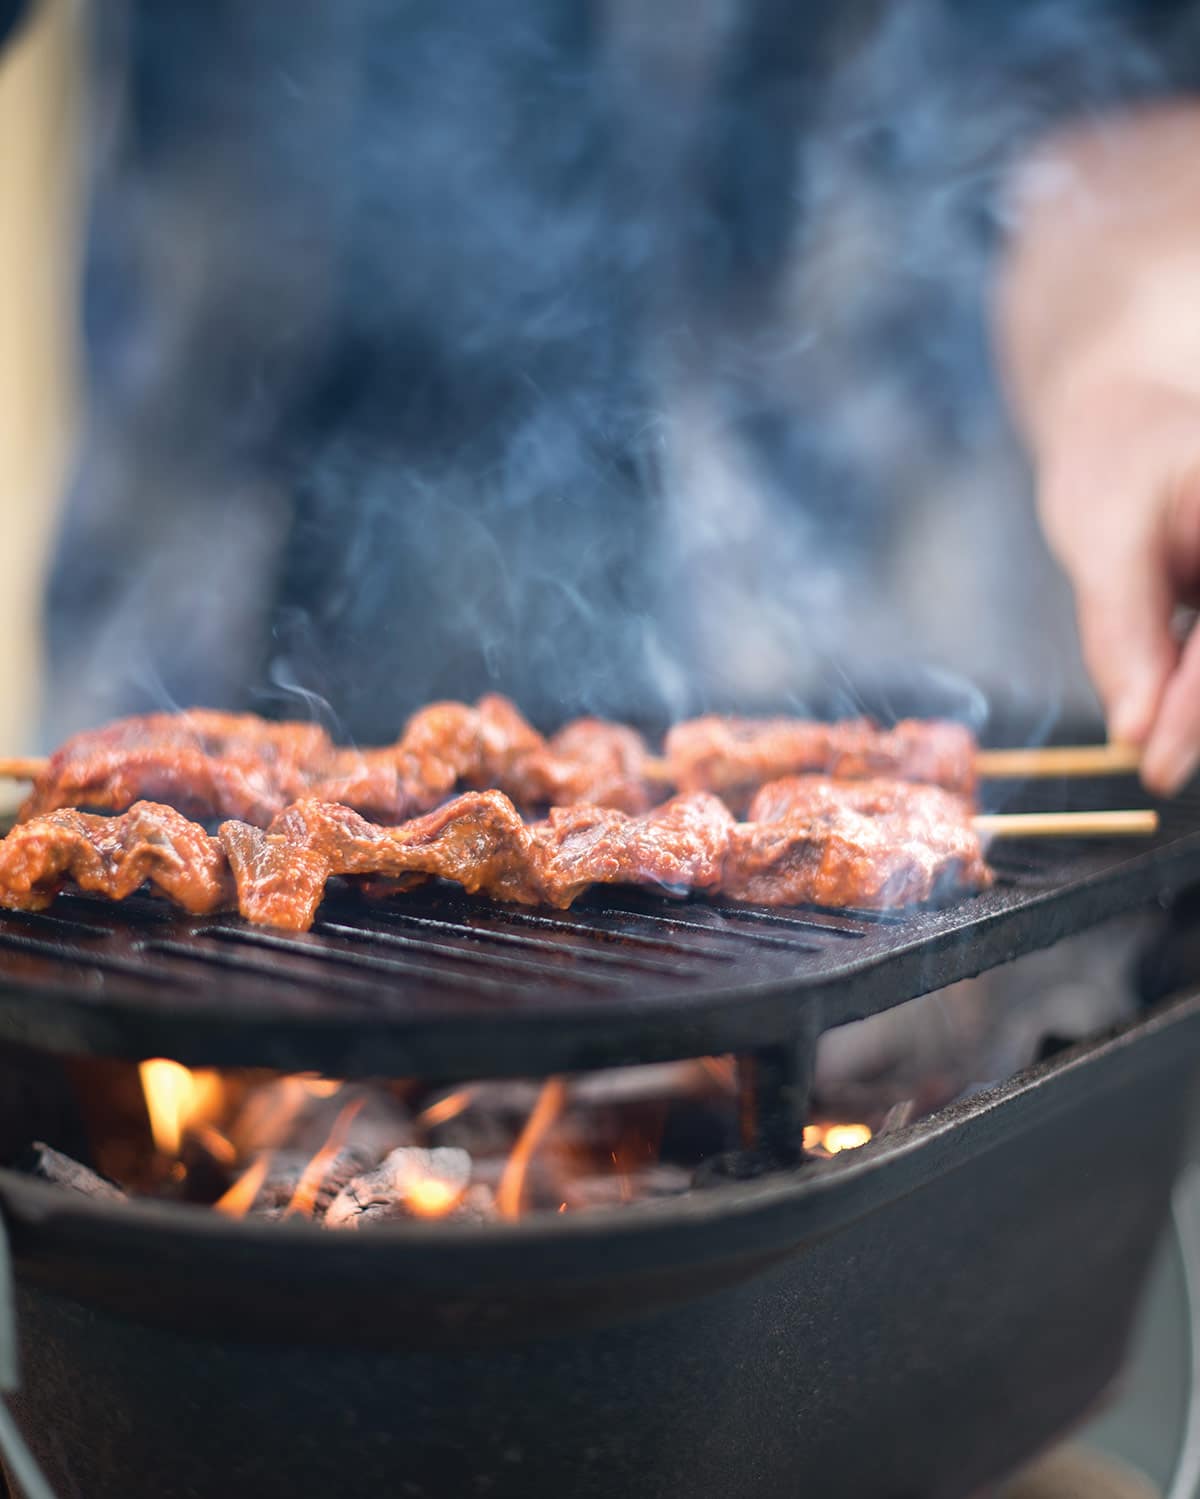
{"points": [[861, 1321], [443, 985]]}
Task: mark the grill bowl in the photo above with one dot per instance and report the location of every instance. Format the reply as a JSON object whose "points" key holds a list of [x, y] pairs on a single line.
{"points": [[915, 1319]]}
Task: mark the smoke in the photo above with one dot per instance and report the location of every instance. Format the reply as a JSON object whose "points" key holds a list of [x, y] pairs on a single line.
{"points": [[627, 363]]}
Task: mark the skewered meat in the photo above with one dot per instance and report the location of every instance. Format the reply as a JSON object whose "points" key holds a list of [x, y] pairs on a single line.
{"points": [[871, 844], [235, 765], [114, 856], [215, 765], [734, 756], [817, 842]]}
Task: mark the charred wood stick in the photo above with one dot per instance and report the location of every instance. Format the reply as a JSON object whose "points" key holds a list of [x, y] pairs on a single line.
{"points": [[50, 1165]]}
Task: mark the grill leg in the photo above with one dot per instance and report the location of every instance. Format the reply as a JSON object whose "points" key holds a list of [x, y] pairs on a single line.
{"points": [[774, 1089]]}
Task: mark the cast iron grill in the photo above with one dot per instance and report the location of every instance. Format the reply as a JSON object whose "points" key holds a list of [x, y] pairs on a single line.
{"points": [[444, 985], [768, 1325]]}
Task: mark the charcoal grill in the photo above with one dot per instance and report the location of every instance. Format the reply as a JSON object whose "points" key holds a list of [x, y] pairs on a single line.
{"points": [[863, 1322]]}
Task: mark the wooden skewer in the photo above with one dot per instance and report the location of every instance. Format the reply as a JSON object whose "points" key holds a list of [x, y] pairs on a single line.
{"points": [[1059, 760], [1010, 764], [1066, 824], [22, 768]]}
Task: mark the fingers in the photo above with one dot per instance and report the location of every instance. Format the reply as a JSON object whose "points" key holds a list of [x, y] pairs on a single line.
{"points": [[1173, 749], [1125, 630]]}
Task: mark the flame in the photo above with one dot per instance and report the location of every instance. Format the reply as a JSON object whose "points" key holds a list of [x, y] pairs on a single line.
{"points": [[545, 1112], [305, 1196], [446, 1108], [832, 1139], [271, 1112], [176, 1099], [238, 1201], [219, 1146], [317, 1086]]}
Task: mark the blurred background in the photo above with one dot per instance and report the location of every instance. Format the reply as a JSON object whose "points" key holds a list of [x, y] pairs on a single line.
{"points": [[40, 179]]}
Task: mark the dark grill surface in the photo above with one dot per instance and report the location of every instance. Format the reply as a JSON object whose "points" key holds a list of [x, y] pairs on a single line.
{"points": [[441, 984]]}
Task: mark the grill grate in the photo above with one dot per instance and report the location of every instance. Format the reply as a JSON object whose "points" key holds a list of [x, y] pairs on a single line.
{"points": [[444, 985]]}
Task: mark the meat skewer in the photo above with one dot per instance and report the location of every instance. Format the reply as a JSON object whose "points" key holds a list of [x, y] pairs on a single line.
{"points": [[215, 765], [810, 841], [212, 764]]}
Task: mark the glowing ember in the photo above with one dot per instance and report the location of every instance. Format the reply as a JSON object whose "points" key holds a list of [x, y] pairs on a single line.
{"points": [[831, 1139], [432, 1198], [238, 1201], [545, 1112]]}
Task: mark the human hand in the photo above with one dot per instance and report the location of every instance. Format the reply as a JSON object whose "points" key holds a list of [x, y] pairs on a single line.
{"points": [[1097, 323], [1118, 477]]}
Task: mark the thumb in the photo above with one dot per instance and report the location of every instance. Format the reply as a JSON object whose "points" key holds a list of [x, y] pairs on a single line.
{"points": [[1124, 606]]}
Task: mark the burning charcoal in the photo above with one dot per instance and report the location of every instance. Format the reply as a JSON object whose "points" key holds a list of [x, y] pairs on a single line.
{"points": [[288, 1166], [411, 1183], [51, 1165]]}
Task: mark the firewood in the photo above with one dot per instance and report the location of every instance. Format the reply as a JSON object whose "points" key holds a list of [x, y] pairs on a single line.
{"points": [[50, 1165]]}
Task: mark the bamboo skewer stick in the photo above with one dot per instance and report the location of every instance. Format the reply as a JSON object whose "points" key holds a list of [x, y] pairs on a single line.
{"points": [[1066, 824], [1010, 764], [22, 767], [1058, 760]]}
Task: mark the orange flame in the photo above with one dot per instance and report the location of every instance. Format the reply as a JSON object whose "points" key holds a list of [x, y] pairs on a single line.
{"points": [[317, 1086], [238, 1201], [305, 1196], [446, 1108], [219, 1146], [545, 1112], [176, 1099]]}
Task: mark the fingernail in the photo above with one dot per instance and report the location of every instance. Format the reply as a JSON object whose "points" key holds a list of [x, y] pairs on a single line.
{"points": [[1166, 769]]}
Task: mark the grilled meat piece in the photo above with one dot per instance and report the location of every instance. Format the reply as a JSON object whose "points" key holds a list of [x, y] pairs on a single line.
{"points": [[114, 856], [734, 756], [872, 844]]}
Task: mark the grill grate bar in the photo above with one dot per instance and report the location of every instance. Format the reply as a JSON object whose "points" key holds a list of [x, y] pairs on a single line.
{"points": [[492, 932], [577, 958], [135, 967], [706, 929], [588, 924], [263, 966]]}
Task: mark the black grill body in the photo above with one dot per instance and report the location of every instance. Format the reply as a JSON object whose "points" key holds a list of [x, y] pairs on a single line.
{"points": [[914, 1320]]}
